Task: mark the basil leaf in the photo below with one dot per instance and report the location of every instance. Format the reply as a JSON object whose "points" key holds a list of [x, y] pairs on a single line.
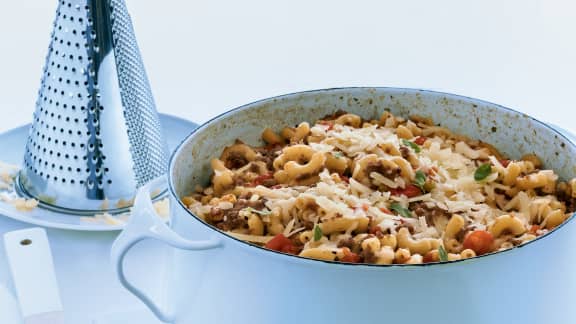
{"points": [[420, 180], [413, 145], [317, 233], [402, 211], [259, 212], [442, 254], [482, 172]]}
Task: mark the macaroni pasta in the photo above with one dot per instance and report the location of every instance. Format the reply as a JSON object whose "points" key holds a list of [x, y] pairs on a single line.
{"points": [[390, 190]]}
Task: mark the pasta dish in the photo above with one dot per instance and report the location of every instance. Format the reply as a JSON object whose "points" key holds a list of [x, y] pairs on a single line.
{"points": [[392, 190]]}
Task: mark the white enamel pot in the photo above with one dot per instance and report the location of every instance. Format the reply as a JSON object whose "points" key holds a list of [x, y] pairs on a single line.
{"points": [[215, 278]]}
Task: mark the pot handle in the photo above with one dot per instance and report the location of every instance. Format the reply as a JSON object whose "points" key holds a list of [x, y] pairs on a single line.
{"points": [[145, 223]]}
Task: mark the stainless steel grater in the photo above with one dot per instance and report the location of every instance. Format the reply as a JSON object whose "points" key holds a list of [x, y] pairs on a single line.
{"points": [[96, 136]]}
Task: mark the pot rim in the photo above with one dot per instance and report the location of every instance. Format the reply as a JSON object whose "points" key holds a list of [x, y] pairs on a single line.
{"points": [[245, 244]]}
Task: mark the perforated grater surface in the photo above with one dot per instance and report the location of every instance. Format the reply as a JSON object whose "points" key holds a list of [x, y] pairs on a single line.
{"points": [[96, 136]]}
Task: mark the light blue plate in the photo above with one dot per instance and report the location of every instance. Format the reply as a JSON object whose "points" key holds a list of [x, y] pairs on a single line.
{"points": [[13, 144]]}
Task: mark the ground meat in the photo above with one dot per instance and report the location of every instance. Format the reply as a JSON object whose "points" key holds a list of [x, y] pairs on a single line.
{"points": [[269, 182], [431, 213], [335, 115], [239, 181], [236, 160], [388, 172], [405, 152], [304, 176], [267, 155], [368, 256], [311, 205], [254, 168], [499, 191], [461, 234], [216, 214], [567, 199], [348, 242], [245, 195], [231, 218], [258, 204]]}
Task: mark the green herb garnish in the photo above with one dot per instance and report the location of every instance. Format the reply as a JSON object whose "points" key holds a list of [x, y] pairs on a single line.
{"points": [[442, 254], [482, 172], [420, 180], [317, 233], [402, 211], [337, 154], [413, 145], [259, 212]]}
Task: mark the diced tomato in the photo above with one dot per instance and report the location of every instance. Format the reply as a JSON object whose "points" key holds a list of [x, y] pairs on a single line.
{"points": [[330, 124], [375, 230], [410, 191], [479, 241], [505, 163], [420, 140], [350, 256], [365, 207], [431, 256], [386, 210], [261, 178], [281, 243], [534, 229]]}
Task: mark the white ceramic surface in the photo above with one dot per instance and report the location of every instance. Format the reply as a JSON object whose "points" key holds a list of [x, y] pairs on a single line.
{"points": [[9, 310], [38, 294], [226, 280], [13, 143]]}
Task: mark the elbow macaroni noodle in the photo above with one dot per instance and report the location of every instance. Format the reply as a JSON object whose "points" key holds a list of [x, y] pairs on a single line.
{"points": [[385, 191]]}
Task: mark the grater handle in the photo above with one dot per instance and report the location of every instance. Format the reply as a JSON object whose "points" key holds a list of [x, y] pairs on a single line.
{"points": [[146, 224]]}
